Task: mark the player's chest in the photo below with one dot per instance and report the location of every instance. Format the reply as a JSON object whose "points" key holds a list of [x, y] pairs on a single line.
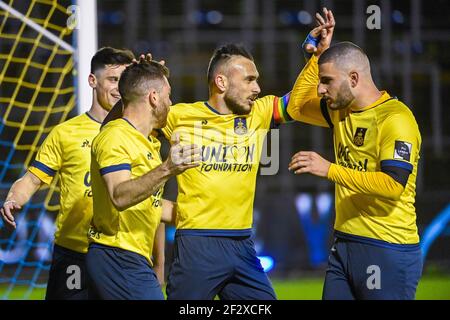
{"points": [[356, 142]]}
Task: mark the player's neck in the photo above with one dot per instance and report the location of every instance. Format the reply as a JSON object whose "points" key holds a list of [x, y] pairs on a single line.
{"points": [[140, 119], [97, 112], [369, 96], [216, 101]]}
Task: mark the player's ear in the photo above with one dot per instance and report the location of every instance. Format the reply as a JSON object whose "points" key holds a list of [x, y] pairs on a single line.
{"points": [[354, 78], [92, 80], [221, 82], [153, 98]]}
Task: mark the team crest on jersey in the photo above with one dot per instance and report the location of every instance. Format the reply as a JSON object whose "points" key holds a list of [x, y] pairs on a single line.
{"points": [[402, 150], [358, 139], [240, 126]]}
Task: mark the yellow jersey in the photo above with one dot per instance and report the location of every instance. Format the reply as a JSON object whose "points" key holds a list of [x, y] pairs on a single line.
{"points": [[67, 151], [119, 146], [384, 133], [217, 197]]}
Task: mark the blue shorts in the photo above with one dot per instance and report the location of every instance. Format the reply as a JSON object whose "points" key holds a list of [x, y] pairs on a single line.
{"points": [[67, 275], [358, 270], [117, 274], [206, 266]]}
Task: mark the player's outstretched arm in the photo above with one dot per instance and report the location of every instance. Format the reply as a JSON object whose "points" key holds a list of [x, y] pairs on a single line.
{"points": [[20, 193], [126, 192], [380, 184], [304, 103]]}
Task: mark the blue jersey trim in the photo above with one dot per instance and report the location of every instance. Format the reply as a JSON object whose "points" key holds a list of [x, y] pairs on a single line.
{"points": [[215, 232], [212, 109], [116, 167], [396, 163], [43, 168], [129, 122], [92, 118], [377, 242]]}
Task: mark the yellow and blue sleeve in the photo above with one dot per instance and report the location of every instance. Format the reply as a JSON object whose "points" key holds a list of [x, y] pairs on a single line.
{"points": [[368, 183], [110, 153], [399, 142], [49, 158]]}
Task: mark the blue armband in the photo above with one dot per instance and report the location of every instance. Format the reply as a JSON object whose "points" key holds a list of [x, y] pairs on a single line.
{"points": [[310, 40]]}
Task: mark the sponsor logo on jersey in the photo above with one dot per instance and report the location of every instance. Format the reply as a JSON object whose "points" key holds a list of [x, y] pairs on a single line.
{"points": [[358, 139], [402, 150]]}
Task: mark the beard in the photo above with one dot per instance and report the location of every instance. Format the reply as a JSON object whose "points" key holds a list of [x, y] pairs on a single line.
{"points": [[235, 106], [343, 98]]}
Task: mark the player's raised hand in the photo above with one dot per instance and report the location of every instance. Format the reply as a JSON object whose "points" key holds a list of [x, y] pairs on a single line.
{"points": [[309, 162], [183, 157], [147, 58], [319, 39], [7, 212]]}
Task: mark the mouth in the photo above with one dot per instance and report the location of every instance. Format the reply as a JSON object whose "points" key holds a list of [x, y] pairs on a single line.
{"points": [[117, 97], [328, 100], [251, 100]]}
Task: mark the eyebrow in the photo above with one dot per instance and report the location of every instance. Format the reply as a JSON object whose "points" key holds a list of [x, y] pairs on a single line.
{"points": [[252, 77], [325, 78]]}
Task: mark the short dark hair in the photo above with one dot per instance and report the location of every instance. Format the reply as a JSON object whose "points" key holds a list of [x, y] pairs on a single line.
{"points": [[138, 77], [340, 51], [223, 54], [110, 56]]}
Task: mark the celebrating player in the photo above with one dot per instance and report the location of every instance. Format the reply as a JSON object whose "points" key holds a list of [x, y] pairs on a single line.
{"points": [[376, 254], [67, 151], [127, 183]]}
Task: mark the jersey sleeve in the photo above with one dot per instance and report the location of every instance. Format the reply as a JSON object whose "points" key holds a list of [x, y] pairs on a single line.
{"points": [[399, 141], [170, 125], [49, 157], [280, 114], [304, 103], [264, 110], [110, 153]]}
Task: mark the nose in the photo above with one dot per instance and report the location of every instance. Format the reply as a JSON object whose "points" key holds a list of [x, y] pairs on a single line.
{"points": [[321, 89], [256, 89]]}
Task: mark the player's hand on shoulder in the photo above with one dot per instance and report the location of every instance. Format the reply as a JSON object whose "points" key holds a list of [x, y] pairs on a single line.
{"points": [[182, 157]]}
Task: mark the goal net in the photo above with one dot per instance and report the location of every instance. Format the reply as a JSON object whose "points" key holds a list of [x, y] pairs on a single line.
{"points": [[37, 92]]}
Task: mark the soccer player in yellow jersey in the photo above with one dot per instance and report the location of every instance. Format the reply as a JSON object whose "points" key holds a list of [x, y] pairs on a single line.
{"points": [[67, 152], [376, 253], [214, 253], [127, 184]]}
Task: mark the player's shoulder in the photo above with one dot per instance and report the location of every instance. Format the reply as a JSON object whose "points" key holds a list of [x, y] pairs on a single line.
{"points": [[75, 124], [187, 108], [395, 109], [264, 104], [113, 132]]}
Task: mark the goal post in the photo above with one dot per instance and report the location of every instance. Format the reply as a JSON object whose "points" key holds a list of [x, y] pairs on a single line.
{"points": [[45, 57]]}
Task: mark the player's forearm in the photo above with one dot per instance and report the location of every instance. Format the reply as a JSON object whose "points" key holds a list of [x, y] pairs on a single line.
{"points": [[376, 184], [23, 189], [159, 245], [169, 211], [132, 192], [305, 89]]}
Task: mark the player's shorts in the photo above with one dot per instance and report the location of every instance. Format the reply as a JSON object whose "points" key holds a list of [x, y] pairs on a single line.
{"points": [[67, 275], [117, 274], [372, 270], [206, 266]]}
